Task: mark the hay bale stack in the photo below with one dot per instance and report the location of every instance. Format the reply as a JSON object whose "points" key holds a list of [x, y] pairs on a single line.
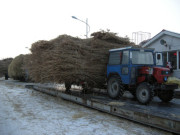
{"points": [[73, 60], [16, 70], [111, 37], [35, 62], [4, 66]]}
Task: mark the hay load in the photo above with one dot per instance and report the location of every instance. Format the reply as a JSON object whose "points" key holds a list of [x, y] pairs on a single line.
{"points": [[16, 68], [4, 66], [111, 37], [66, 59]]}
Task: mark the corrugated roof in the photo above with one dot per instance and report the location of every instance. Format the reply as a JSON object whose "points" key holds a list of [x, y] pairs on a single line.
{"points": [[130, 47]]}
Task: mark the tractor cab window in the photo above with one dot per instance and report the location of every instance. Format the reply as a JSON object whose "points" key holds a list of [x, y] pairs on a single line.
{"points": [[125, 57], [115, 58], [142, 57]]}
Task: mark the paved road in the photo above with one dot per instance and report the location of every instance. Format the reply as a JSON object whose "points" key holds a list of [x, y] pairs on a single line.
{"points": [[27, 112]]}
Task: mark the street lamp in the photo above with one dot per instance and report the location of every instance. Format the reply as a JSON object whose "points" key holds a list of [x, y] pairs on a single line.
{"points": [[87, 25]]}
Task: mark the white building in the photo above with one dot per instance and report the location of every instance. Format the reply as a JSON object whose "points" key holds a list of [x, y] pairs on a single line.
{"points": [[169, 43]]}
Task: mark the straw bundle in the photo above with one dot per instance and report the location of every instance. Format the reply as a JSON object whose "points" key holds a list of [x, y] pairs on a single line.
{"points": [[73, 60], [16, 70], [4, 66]]}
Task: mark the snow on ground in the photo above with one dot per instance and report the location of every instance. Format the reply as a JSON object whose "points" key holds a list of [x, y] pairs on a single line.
{"points": [[27, 112]]}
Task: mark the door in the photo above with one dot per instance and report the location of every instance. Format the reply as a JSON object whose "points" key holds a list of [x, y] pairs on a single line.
{"points": [[158, 59], [125, 67]]}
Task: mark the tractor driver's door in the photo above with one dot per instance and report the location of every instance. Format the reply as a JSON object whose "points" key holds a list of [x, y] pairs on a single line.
{"points": [[125, 67]]}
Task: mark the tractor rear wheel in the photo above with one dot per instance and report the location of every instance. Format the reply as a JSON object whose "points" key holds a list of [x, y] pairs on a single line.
{"points": [[166, 95], [144, 93], [115, 88]]}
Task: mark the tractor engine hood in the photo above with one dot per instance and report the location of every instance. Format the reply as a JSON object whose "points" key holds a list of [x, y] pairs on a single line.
{"points": [[161, 71], [161, 74], [145, 70]]}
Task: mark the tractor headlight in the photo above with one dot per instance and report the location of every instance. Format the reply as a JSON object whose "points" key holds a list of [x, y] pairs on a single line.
{"points": [[165, 78]]}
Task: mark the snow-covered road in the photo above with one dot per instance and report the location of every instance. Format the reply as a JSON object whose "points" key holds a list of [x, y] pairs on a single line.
{"points": [[27, 112]]}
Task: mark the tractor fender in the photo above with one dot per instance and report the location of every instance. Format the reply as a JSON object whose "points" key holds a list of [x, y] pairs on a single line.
{"points": [[113, 74]]}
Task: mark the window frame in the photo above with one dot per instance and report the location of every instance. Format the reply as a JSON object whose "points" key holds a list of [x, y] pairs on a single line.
{"points": [[128, 57], [143, 64], [120, 57]]}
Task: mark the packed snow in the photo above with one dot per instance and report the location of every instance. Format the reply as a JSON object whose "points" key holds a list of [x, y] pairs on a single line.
{"points": [[27, 112]]}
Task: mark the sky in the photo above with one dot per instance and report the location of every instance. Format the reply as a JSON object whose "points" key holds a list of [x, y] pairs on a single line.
{"points": [[23, 22]]}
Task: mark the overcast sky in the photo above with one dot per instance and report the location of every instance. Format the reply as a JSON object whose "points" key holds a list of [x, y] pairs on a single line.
{"points": [[23, 22]]}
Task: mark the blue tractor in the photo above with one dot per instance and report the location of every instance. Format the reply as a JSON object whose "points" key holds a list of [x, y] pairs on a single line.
{"points": [[135, 70]]}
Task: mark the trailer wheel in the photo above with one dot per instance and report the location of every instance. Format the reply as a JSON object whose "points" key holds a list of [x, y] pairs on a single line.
{"points": [[86, 89], [115, 88], [166, 95], [67, 86], [144, 93], [6, 76]]}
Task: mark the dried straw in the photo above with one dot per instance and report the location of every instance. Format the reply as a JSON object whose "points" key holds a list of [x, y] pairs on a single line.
{"points": [[73, 60], [16, 70], [4, 66]]}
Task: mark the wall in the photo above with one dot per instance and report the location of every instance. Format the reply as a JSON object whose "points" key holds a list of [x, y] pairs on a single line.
{"points": [[176, 73], [172, 42], [173, 45]]}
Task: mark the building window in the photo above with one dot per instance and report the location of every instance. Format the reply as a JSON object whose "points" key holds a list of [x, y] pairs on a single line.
{"points": [[173, 59]]}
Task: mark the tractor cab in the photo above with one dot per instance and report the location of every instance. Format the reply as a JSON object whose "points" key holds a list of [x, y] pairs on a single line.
{"points": [[135, 69], [129, 62]]}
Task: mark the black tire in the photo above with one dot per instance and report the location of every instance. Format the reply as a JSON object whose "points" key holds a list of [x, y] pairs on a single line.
{"points": [[166, 95], [85, 89], [144, 94], [6, 76], [115, 88], [67, 86]]}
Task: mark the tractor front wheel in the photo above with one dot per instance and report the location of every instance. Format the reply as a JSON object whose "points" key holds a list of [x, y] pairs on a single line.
{"points": [[166, 95], [115, 88], [144, 93]]}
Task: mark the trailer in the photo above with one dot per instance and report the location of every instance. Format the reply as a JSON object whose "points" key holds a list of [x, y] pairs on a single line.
{"points": [[157, 114], [134, 70]]}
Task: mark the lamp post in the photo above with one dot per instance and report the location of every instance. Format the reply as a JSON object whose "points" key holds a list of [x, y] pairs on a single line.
{"points": [[87, 25]]}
